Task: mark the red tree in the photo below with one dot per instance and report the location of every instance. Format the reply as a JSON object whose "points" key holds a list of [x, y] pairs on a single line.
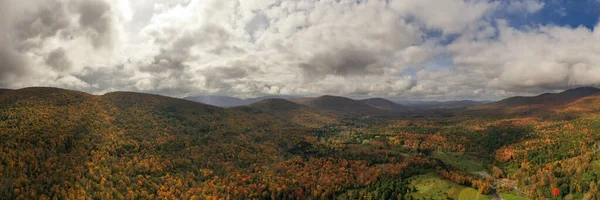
{"points": [[556, 192]]}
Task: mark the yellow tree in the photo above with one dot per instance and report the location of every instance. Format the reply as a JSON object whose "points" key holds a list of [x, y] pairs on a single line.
{"points": [[593, 192]]}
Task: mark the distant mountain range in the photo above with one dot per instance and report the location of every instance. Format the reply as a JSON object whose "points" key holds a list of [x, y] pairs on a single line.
{"points": [[341, 105], [280, 105], [378, 103], [221, 101], [384, 104], [324, 106], [227, 101], [345, 105], [442, 104], [550, 99]]}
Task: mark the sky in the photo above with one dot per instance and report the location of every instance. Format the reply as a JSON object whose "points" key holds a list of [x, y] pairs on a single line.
{"points": [[398, 49]]}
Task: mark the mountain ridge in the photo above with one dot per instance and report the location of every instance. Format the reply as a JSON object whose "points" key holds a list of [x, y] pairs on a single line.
{"points": [[228, 101], [277, 104], [385, 104], [294, 112], [441, 104], [561, 98], [341, 105], [220, 101]]}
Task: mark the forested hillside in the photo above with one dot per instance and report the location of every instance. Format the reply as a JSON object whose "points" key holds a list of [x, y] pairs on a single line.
{"points": [[63, 144], [60, 143], [296, 113]]}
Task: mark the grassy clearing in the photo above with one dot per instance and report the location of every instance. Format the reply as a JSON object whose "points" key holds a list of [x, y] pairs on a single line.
{"points": [[472, 194], [431, 186], [460, 161]]}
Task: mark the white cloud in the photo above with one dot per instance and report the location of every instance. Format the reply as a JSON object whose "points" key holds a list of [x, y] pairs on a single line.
{"points": [[44, 41], [254, 47], [545, 57], [125, 10], [450, 16], [530, 6]]}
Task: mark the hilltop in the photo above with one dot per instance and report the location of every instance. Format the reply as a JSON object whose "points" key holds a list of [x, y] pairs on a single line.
{"points": [[341, 105], [441, 104], [220, 101], [549, 99], [384, 104], [120, 135], [297, 113], [227, 101]]}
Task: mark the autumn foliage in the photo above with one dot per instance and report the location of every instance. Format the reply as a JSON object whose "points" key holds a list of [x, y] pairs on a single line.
{"points": [[555, 192], [61, 144]]}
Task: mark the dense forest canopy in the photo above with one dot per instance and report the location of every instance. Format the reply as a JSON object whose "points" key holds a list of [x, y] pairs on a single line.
{"points": [[64, 144]]}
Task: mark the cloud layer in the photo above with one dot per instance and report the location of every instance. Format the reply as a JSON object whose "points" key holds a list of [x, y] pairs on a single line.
{"points": [[417, 49]]}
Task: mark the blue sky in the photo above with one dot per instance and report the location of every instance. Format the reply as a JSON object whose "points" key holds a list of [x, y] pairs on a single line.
{"points": [[564, 13], [573, 13]]}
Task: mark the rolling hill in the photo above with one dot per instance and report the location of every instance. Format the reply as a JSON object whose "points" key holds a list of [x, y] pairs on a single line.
{"points": [[296, 113], [441, 104], [67, 144], [384, 104], [278, 106], [220, 101], [563, 105], [341, 105], [227, 101], [589, 105], [548, 99], [63, 139]]}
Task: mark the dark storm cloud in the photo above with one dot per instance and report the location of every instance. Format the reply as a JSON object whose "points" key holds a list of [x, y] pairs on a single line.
{"points": [[225, 77], [58, 60], [44, 22], [48, 19], [33, 33], [214, 38], [12, 63], [170, 68], [173, 58], [342, 62], [12, 66], [34, 26], [96, 15], [231, 72], [167, 60], [105, 77]]}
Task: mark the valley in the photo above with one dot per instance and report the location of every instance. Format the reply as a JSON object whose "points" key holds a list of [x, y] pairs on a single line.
{"points": [[64, 144]]}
